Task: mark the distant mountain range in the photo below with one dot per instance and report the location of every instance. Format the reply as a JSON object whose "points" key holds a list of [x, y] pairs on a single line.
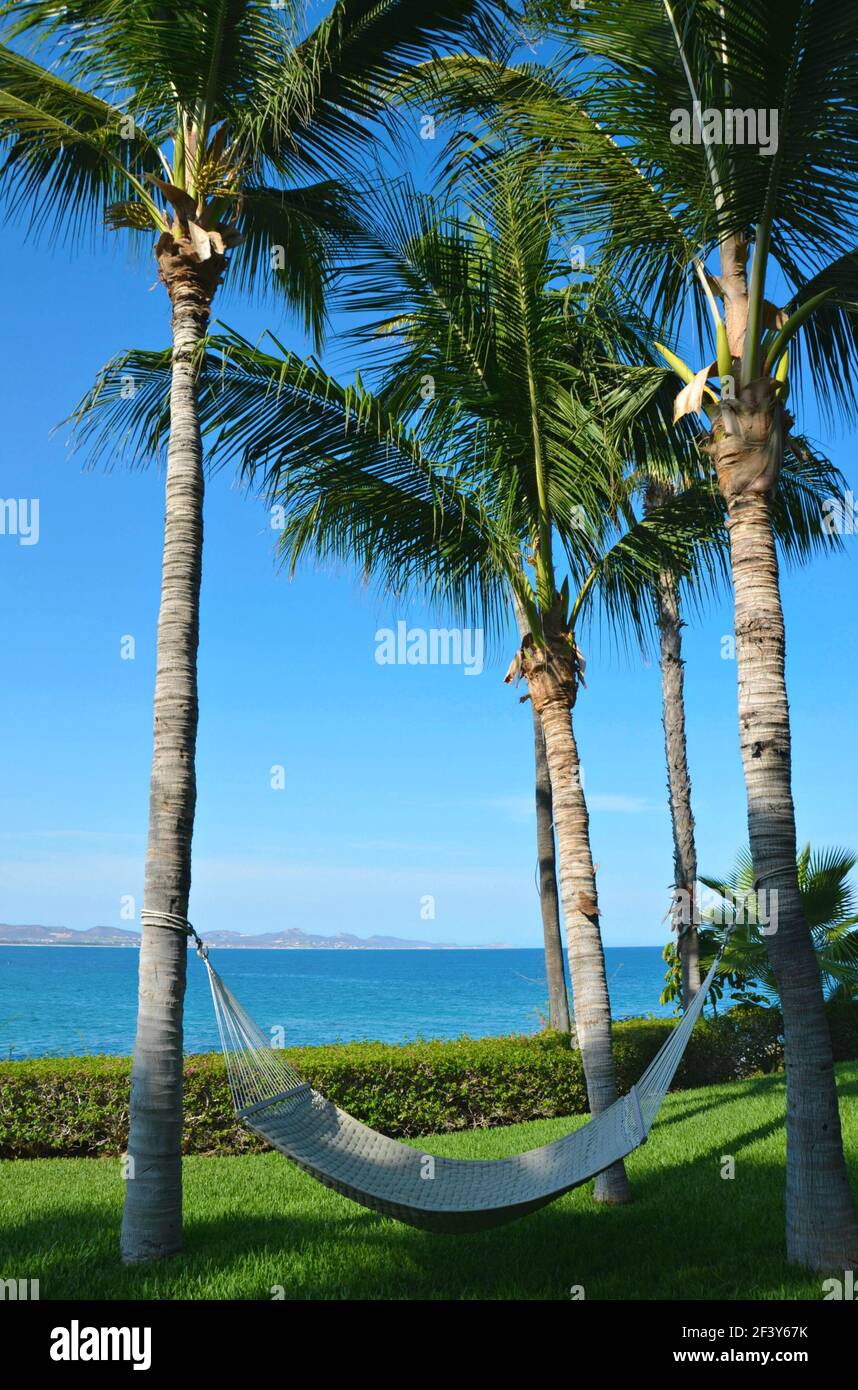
{"points": [[292, 939]]}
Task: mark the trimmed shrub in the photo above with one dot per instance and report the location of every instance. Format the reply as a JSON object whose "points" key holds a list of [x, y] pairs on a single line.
{"points": [[78, 1106]]}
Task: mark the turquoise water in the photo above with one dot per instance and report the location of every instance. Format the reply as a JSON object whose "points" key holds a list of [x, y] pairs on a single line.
{"points": [[62, 1001]]}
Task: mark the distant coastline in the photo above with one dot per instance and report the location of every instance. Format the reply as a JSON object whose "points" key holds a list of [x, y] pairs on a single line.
{"points": [[292, 939], [219, 946]]}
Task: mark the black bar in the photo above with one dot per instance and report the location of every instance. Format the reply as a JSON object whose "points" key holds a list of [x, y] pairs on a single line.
{"points": [[264, 1337]]}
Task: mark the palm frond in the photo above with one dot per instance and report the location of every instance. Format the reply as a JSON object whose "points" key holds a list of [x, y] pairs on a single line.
{"points": [[335, 81], [683, 537], [807, 482], [208, 58], [826, 352], [64, 158], [828, 900], [293, 241]]}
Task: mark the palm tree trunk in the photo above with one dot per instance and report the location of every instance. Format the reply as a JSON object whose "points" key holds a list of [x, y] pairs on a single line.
{"points": [[549, 901], [552, 680], [684, 909], [747, 445], [152, 1219], [684, 906]]}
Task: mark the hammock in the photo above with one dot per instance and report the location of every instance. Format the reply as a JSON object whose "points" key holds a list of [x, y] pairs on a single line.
{"points": [[398, 1180]]}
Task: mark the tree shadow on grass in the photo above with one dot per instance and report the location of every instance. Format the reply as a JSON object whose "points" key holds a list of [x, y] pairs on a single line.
{"points": [[686, 1235], [777, 1124], [760, 1086], [681, 1111]]}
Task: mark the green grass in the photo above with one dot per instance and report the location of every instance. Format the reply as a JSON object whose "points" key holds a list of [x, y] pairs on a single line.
{"points": [[253, 1223]]}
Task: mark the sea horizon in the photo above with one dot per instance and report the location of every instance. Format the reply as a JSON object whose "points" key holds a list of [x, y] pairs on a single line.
{"points": [[309, 995], [394, 950]]}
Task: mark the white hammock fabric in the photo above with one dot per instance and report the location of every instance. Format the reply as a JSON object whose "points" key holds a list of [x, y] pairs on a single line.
{"points": [[398, 1180]]}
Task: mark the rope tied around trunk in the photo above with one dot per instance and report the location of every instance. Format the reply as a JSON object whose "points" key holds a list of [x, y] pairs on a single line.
{"points": [[151, 918], [256, 1071]]}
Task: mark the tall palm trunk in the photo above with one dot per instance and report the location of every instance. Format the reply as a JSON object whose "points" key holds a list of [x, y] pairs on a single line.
{"points": [[747, 442], [152, 1220], [684, 908], [549, 901], [552, 679], [822, 1231]]}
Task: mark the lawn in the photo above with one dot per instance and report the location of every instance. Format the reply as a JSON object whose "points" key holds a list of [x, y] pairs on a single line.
{"points": [[256, 1223]]}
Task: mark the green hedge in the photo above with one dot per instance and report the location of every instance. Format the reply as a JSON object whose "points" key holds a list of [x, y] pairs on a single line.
{"points": [[61, 1107]]}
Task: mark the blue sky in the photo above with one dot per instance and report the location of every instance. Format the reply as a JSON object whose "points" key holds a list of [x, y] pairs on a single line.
{"points": [[401, 783]]}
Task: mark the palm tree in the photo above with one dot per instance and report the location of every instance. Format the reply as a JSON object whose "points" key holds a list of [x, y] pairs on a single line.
{"points": [[740, 56], [546, 861], [223, 115], [829, 903], [559, 1016], [472, 495], [799, 519], [671, 665], [680, 137]]}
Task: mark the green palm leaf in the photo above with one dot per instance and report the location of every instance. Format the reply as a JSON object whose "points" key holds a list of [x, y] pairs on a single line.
{"points": [[828, 899]]}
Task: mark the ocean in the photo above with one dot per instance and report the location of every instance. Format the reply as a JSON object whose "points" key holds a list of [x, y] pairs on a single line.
{"points": [[75, 1000]]}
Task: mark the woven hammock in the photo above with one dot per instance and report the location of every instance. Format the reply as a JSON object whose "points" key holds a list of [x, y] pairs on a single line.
{"points": [[436, 1194]]}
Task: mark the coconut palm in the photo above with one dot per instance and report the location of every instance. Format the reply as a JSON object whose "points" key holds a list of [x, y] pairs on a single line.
{"points": [[642, 156], [210, 127], [741, 917], [515, 259], [671, 666], [740, 56], [470, 492], [559, 1016], [799, 518]]}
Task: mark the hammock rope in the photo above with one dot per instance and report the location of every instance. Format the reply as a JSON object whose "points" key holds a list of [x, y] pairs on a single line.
{"points": [[399, 1180]]}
